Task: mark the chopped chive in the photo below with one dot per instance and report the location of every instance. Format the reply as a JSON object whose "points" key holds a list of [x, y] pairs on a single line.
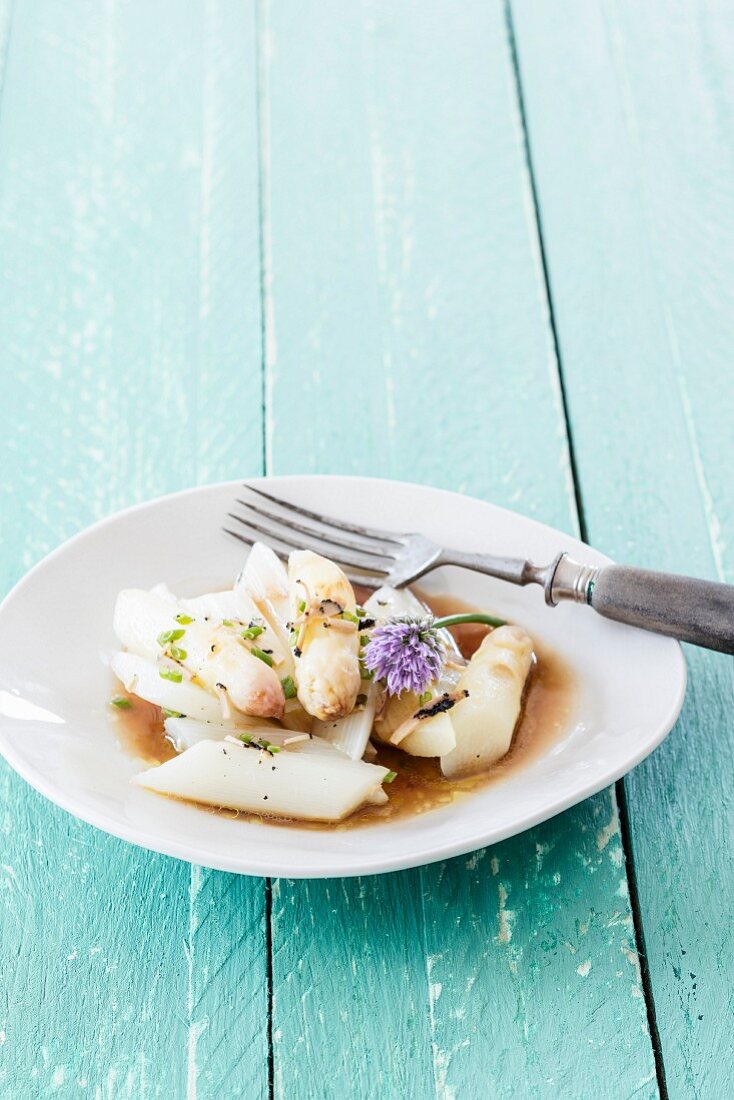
{"points": [[172, 713], [389, 777], [170, 636], [273, 748], [350, 618], [262, 655], [361, 612], [301, 606], [227, 622], [184, 619], [171, 674], [245, 738], [121, 703], [252, 632], [424, 698], [364, 672], [177, 653], [364, 639], [289, 687]]}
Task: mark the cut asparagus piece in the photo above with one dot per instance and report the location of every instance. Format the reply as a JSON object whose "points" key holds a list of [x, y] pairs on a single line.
{"points": [[485, 721], [141, 677], [304, 786], [185, 732], [432, 736], [218, 656], [327, 653], [295, 718], [351, 733], [264, 580], [269, 638], [429, 733], [211, 605]]}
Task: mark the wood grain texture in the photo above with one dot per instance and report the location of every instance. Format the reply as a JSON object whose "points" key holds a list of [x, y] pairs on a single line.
{"points": [[407, 335], [633, 148], [129, 307]]}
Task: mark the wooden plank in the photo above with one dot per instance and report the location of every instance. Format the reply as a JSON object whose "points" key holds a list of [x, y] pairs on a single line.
{"points": [[633, 149], [403, 276], [129, 307]]}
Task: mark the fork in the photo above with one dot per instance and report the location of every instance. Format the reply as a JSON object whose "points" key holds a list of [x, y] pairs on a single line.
{"points": [[692, 610]]}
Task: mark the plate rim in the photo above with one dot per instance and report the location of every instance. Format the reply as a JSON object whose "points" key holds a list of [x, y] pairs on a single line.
{"points": [[248, 863]]}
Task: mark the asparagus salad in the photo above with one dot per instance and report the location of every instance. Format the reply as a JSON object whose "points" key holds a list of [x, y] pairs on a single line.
{"points": [[277, 694]]}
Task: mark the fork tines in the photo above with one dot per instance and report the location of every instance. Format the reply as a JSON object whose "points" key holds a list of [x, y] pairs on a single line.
{"points": [[285, 526]]}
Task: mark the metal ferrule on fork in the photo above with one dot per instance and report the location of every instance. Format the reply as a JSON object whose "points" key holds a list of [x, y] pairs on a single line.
{"points": [[567, 579]]}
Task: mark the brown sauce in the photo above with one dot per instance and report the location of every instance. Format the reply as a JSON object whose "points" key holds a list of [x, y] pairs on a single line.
{"points": [[547, 710]]}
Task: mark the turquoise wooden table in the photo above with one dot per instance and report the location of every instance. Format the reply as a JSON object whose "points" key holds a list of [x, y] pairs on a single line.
{"points": [[483, 246]]}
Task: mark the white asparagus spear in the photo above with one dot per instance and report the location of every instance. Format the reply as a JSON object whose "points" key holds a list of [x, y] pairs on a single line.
{"points": [[485, 721], [217, 656], [272, 639], [185, 732], [264, 579], [431, 736], [304, 786], [327, 658], [351, 733], [212, 605], [295, 718], [237, 605], [140, 677]]}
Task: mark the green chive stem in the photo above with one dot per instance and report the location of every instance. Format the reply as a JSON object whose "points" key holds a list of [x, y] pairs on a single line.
{"points": [[470, 617]]}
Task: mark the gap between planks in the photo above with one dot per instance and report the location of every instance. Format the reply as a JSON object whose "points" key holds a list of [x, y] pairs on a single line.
{"points": [[620, 791], [263, 155]]}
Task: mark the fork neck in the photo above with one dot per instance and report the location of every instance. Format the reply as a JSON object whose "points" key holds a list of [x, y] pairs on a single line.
{"points": [[562, 579]]}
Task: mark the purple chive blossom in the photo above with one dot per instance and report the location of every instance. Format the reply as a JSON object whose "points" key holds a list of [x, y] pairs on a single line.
{"points": [[406, 654]]}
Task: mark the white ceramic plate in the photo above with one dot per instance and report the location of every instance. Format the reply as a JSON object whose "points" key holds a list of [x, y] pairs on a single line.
{"points": [[55, 633]]}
